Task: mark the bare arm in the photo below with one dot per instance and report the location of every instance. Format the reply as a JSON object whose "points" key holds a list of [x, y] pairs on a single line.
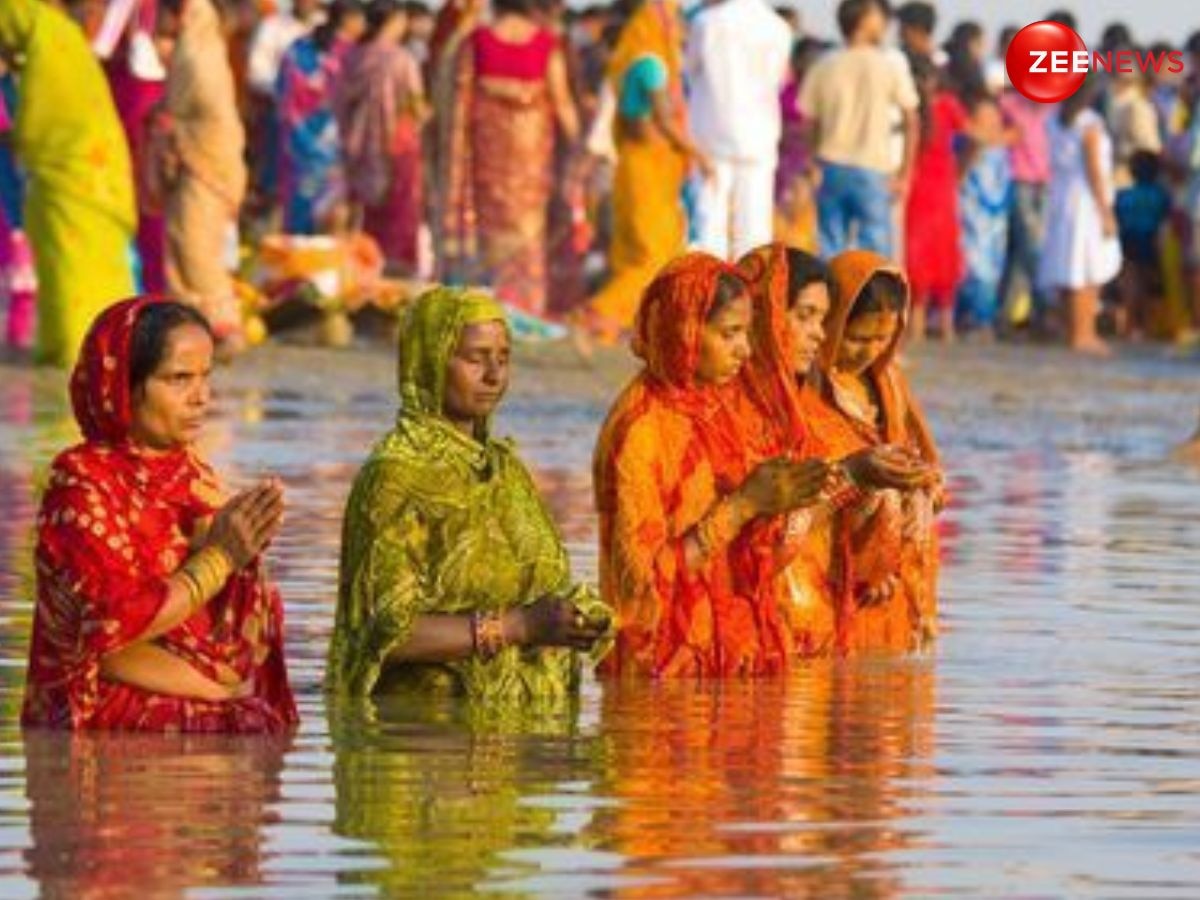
{"points": [[551, 622], [1097, 180], [666, 123], [158, 671], [560, 97], [912, 141]]}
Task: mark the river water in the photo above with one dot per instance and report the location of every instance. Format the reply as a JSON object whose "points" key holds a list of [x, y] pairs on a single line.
{"points": [[1049, 747]]}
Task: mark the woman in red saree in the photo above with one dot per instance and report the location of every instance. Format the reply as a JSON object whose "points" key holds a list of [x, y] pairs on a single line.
{"points": [[510, 95], [153, 609], [791, 290], [678, 486]]}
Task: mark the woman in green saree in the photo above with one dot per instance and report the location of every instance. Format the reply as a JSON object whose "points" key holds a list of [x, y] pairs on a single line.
{"points": [[454, 579]]}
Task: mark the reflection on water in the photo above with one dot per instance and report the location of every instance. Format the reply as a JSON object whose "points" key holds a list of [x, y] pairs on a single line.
{"points": [[1051, 748]]}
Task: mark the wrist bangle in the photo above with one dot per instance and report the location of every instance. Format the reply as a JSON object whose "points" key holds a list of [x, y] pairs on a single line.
{"points": [[487, 634], [208, 570]]}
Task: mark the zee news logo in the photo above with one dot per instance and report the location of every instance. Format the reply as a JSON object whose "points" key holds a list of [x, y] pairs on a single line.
{"points": [[1048, 62]]}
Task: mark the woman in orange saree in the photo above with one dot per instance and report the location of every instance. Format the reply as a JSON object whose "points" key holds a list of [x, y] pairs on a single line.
{"points": [[791, 289], [677, 489], [154, 612]]}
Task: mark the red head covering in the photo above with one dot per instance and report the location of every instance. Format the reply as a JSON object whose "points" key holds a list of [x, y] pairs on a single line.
{"points": [[100, 391], [670, 321], [769, 379]]}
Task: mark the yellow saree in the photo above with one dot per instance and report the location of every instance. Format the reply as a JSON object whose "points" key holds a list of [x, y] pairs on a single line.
{"points": [[79, 206]]}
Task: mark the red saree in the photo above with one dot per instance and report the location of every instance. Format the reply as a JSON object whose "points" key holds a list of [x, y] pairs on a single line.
{"points": [[500, 168], [116, 521], [669, 452]]}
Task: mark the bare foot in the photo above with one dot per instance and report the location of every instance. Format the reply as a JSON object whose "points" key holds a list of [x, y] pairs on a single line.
{"points": [[1094, 347]]}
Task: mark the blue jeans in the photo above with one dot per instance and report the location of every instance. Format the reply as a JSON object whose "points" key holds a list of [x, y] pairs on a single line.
{"points": [[854, 208], [1027, 230]]}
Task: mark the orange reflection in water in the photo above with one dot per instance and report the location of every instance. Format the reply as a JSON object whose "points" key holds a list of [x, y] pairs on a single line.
{"points": [[771, 788]]}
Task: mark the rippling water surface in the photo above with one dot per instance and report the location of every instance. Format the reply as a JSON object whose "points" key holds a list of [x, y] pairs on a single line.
{"points": [[1051, 746]]}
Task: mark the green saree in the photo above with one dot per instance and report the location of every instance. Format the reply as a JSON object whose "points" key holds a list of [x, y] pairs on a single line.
{"points": [[439, 522]]}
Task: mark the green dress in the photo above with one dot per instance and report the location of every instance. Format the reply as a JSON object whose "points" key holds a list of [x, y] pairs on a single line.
{"points": [[439, 522]]}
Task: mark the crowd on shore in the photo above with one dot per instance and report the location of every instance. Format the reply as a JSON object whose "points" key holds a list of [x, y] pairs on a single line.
{"points": [[238, 155]]}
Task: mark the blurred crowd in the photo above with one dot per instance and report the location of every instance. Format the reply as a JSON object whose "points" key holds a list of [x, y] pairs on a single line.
{"points": [[562, 155]]}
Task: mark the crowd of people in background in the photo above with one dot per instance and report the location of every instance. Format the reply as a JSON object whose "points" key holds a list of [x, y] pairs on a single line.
{"points": [[563, 155]]}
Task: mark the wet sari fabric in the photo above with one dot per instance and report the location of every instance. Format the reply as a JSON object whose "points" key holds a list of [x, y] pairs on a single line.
{"points": [[669, 451], [442, 522], [891, 535], [117, 520]]}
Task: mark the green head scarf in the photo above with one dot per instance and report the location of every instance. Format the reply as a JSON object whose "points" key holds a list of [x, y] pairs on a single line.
{"points": [[429, 337]]}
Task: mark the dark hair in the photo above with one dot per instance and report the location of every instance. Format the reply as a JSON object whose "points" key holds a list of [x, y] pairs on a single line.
{"points": [[804, 270], [379, 13], [729, 288], [1082, 99], [515, 7], [884, 292], [417, 9], [851, 13], [1117, 36], [1064, 17], [152, 331], [962, 68], [1145, 166], [805, 48], [921, 16], [923, 69], [335, 14], [1193, 44], [1007, 33]]}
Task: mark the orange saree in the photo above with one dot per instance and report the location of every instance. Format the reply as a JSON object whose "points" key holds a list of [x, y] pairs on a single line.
{"points": [[892, 535], [830, 556], [669, 453]]}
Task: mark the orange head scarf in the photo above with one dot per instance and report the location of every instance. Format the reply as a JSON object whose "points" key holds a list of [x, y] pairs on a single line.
{"points": [[904, 422], [769, 379], [850, 271], [667, 338]]}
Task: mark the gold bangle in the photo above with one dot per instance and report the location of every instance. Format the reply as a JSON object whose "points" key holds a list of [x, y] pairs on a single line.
{"points": [[487, 634], [195, 595], [209, 568]]}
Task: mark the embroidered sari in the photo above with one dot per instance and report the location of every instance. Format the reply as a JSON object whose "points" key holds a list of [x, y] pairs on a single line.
{"points": [[500, 167], [79, 206], [893, 534], [792, 416], [116, 522], [670, 451], [441, 522], [649, 227]]}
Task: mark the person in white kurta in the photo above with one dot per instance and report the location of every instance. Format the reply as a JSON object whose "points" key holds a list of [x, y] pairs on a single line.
{"points": [[1082, 251], [737, 63]]}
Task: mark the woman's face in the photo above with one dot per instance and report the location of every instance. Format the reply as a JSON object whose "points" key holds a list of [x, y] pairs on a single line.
{"points": [[396, 28], [806, 324], [353, 25], [169, 409], [477, 374], [868, 337], [725, 343]]}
